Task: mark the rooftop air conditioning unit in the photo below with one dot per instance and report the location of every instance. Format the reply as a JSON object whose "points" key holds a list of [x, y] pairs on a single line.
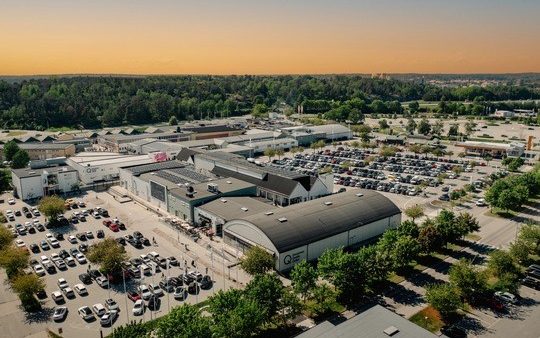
{"points": [[212, 187]]}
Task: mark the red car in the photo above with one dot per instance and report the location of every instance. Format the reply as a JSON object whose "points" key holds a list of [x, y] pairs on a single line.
{"points": [[107, 223], [114, 227], [134, 296]]}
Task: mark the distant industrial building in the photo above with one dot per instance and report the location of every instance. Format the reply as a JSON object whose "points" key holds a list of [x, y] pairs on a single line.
{"points": [[375, 322], [41, 151], [306, 135], [118, 142], [303, 231], [203, 132], [495, 150]]}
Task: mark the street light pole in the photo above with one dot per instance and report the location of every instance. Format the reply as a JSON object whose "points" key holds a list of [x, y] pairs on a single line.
{"points": [[125, 294]]}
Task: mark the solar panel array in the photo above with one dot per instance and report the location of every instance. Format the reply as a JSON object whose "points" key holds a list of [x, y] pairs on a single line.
{"points": [[172, 177], [190, 173], [266, 169]]}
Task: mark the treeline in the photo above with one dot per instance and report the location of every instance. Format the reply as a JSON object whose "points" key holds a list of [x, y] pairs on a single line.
{"points": [[93, 102]]}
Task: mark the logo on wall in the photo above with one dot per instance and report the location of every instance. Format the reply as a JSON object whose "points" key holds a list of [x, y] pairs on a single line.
{"points": [[287, 259]]}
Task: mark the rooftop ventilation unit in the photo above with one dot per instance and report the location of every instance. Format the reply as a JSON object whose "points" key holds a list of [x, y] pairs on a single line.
{"points": [[223, 200], [228, 182], [213, 187], [391, 330], [282, 219], [244, 209], [359, 194], [327, 203], [269, 213]]}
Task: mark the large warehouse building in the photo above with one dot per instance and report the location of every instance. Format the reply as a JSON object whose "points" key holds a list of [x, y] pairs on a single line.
{"points": [[303, 231]]}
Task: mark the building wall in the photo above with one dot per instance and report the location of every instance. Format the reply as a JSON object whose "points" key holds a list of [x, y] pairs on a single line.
{"points": [[67, 180], [316, 249], [286, 260], [31, 187]]}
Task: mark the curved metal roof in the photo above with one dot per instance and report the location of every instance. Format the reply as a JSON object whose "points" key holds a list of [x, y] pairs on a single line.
{"points": [[304, 223]]}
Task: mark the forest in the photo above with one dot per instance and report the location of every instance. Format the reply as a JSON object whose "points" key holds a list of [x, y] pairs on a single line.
{"points": [[107, 101]]}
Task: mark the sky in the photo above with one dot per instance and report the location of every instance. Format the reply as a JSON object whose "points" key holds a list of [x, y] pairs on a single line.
{"points": [[268, 36]]}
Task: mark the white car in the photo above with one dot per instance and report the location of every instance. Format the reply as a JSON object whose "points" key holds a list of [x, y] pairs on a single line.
{"points": [[481, 202], [145, 258], [60, 313], [68, 292], [145, 292], [102, 281], [62, 283], [72, 239], [86, 313], [80, 258], [39, 270], [138, 308], [81, 289], [57, 296], [156, 290], [70, 261], [98, 309], [54, 256], [49, 235], [111, 304], [11, 201], [506, 297], [54, 243], [20, 243], [45, 260], [108, 318]]}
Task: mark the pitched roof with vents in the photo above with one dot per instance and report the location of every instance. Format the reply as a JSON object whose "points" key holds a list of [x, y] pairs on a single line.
{"points": [[304, 223]]}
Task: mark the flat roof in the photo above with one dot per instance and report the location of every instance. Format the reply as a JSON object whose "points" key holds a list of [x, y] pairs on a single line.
{"points": [[304, 223], [225, 185], [371, 323], [146, 168], [105, 158], [42, 146], [491, 145], [228, 208], [29, 172]]}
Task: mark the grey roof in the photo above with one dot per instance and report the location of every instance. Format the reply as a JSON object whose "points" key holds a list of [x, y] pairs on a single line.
{"points": [[228, 208], [210, 129], [369, 324], [281, 185], [44, 146], [151, 167], [225, 185], [324, 217], [29, 172]]}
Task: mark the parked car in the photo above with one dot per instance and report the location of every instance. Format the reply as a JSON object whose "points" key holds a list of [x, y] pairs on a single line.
{"points": [[60, 313], [506, 297], [103, 282], [108, 318], [111, 304], [81, 289], [531, 282], [85, 278], [138, 307], [98, 309], [86, 313], [133, 296], [179, 293], [144, 291], [206, 282], [57, 297]]}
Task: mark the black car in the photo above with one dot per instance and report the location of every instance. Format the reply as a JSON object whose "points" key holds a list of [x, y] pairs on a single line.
{"points": [[145, 241], [49, 267], [187, 279], [104, 213], [63, 254], [18, 213], [41, 294], [136, 261], [100, 234], [95, 274], [59, 236], [120, 240], [137, 234], [206, 282], [194, 288], [531, 282], [137, 243], [534, 274], [154, 302], [44, 245], [83, 248], [28, 214], [444, 197], [34, 248], [40, 227], [121, 226], [81, 236], [31, 230], [85, 278], [82, 218], [167, 287]]}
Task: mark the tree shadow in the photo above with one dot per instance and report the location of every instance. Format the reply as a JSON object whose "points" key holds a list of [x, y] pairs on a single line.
{"points": [[399, 294], [42, 316], [472, 326], [423, 280], [481, 249]]}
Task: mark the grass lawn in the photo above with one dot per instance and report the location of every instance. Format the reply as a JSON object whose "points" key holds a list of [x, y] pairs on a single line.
{"points": [[473, 237], [429, 319], [496, 212], [16, 133]]}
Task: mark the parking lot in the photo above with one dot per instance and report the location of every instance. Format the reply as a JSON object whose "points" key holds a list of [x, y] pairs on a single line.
{"points": [[135, 219]]}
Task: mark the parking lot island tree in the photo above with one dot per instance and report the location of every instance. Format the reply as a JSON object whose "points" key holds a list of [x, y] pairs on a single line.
{"points": [[467, 278], [52, 207], [6, 237], [414, 212], [109, 254], [184, 321], [26, 286], [14, 260], [444, 298], [257, 261]]}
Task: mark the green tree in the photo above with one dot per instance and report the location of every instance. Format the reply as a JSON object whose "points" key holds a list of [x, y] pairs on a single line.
{"points": [[466, 224], [413, 107], [445, 224], [411, 126], [270, 152], [109, 254], [173, 121], [257, 261], [424, 127], [467, 278], [388, 151], [20, 159], [400, 249], [280, 152], [260, 110], [132, 329], [5, 179], [10, 149], [414, 212], [14, 260], [184, 321], [234, 315], [26, 286], [501, 262], [383, 124], [51, 206], [409, 228], [429, 238], [267, 290], [6, 237], [530, 233], [324, 299], [444, 299], [304, 278], [520, 251], [515, 164], [437, 128], [453, 130]]}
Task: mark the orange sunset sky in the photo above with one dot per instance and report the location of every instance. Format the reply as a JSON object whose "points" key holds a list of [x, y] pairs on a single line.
{"points": [[268, 37]]}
